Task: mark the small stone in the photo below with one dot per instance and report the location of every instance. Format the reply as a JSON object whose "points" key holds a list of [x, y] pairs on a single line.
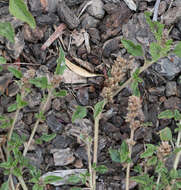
{"points": [[153, 98], [157, 91], [42, 128], [56, 105], [36, 158], [111, 1], [73, 2], [62, 157], [61, 142], [173, 103], [142, 6], [81, 153], [168, 68], [110, 46], [96, 9], [112, 24], [162, 7], [175, 34], [67, 16], [94, 35], [28, 118], [171, 88], [54, 124], [48, 19], [4, 82], [13, 89], [179, 24], [33, 99], [89, 21], [171, 16], [78, 163], [35, 5], [83, 96], [15, 49], [33, 35], [110, 8]]}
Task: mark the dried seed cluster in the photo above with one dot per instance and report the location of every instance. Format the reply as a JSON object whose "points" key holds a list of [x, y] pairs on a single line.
{"points": [[118, 73], [134, 112], [163, 150]]}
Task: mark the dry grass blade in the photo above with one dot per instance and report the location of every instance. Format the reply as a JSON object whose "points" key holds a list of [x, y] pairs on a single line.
{"points": [[80, 71]]}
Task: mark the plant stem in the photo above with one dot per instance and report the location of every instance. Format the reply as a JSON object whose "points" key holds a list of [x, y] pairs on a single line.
{"points": [[96, 138], [129, 164], [178, 155], [21, 180], [177, 158], [90, 163], [143, 68], [44, 106], [13, 125]]}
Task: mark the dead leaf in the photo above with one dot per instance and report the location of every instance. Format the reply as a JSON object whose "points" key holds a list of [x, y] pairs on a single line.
{"points": [[80, 71]]}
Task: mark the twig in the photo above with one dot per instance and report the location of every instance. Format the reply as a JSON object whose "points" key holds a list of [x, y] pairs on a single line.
{"points": [[155, 14], [96, 138], [54, 36]]}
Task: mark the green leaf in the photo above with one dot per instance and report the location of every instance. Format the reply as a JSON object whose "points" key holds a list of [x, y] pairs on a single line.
{"points": [[61, 65], [20, 102], [155, 51], [140, 179], [124, 152], [12, 107], [135, 88], [136, 74], [155, 26], [79, 113], [52, 179], [40, 82], [6, 30], [167, 114], [138, 169], [61, 93], [37, 187], [177, 50], [15, 72], [133, 49], [115, 155], [2, 59], [5, 186], [75, 188], [173, 173], [20, 10], [101, 169], [74, 179], [5, 165], [178, 184], [98, 108], [47, 138], [40, 116], [166, 134], [177, 115], [149, 151], [152, 161]]}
